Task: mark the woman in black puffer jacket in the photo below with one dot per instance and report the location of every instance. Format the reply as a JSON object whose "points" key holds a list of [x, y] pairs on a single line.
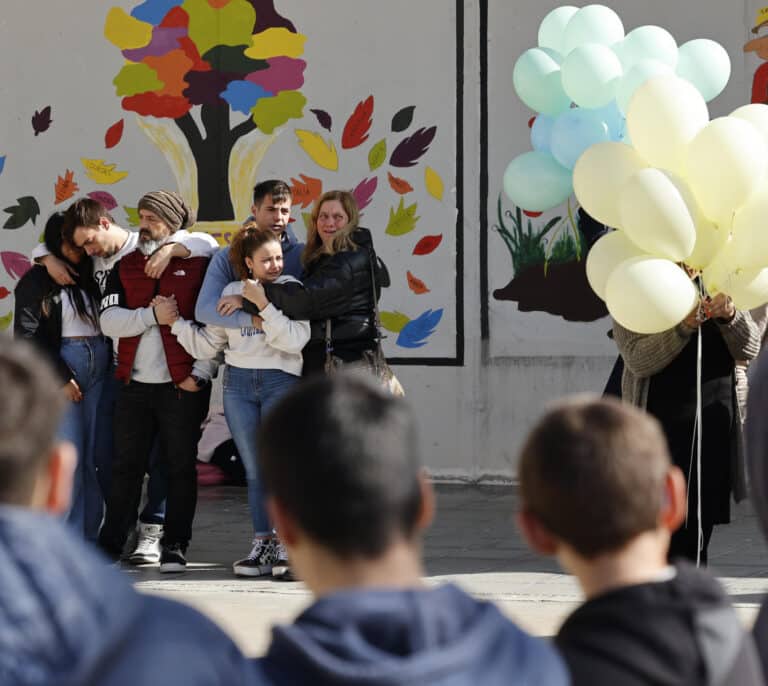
{"points": [[337, 283]]}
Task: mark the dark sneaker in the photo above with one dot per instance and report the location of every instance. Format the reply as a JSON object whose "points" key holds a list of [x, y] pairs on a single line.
{"points": [[147, 549], [282, 568], [260, 560], [172, 559]]}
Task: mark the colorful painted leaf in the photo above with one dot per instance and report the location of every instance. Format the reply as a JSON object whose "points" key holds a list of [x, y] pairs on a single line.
{"points": [[321, 153], [377, 154], [434, 183], [393, 321], [2, 163], [132, 214], [403, 220], [364, 192], [5, 321], [101, 172], [104, 198], [26, 209], [323, 118], [416, 285], [410, 149], [416, 332], [306, 191], [4, 292], [41, 120], [15, 264], [402, 120], [65, 187], [399, 185], [428, 244], [114, 134], [357, 126]]}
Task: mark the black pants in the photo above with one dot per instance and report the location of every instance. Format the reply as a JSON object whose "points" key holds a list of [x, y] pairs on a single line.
{"points": [[144, 412]]}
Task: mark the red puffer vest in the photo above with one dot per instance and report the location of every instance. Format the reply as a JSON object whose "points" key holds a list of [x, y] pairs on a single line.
{"points": [[182, 278]]}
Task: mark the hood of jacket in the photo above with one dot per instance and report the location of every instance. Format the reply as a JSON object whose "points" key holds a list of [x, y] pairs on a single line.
{"points": [[431, 636], [61, 608]]}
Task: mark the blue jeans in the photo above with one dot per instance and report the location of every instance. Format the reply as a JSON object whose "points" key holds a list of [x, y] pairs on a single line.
{"points": [[157, 488], [248, 395], [83, 424]]}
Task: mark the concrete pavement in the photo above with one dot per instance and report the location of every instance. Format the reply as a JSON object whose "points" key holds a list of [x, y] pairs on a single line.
{"points": [[473, 543]]}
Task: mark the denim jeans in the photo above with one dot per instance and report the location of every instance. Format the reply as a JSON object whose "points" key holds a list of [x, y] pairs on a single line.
{"points": [[145, 413], [154, 510], [84, 425], [248, 395]]}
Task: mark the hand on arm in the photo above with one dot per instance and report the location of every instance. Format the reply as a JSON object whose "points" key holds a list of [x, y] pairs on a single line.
{"points": [[165, 308], [229, 304], [160, 259], [720, 307], [254, 291], [61, 272]]}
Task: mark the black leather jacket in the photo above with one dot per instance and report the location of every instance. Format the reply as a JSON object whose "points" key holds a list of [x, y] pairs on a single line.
{"points": [[37, 316], [336, 287]]}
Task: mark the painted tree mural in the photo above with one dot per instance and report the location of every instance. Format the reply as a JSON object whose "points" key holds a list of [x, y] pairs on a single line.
{"points": [[227, 58]]}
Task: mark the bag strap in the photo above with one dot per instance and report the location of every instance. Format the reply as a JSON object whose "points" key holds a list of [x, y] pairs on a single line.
{"points": [[377, 317]]}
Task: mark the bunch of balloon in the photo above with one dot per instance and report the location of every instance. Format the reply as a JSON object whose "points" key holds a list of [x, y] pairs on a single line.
{"points": [[688, 195], [580, 79]]}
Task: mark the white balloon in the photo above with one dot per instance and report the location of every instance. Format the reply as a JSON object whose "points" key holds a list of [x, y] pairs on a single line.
{"points": [[749, 245], [608, 252], [593, 24], [649, 294], [663, 117], [590, 75], [552, 28], [727, 161], [655, 217], [756, 114], [647, 42]]}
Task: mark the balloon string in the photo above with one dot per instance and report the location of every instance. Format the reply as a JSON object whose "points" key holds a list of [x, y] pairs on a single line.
{"points": [[700, 530]]}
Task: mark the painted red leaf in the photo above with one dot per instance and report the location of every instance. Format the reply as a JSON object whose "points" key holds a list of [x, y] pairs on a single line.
{"points": [[530, 122], [428, 244], [114, 134], [104, 198], [4, 292], [529, 213], [416, 285], [358, 125]]}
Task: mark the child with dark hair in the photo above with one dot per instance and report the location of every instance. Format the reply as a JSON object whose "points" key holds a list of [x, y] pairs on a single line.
{"points": [[351, 500], [598, 490], [62, 321], [262, 362]]}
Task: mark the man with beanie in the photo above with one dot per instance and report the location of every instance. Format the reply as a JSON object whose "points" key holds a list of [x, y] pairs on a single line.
{"points": [[165, 392]]}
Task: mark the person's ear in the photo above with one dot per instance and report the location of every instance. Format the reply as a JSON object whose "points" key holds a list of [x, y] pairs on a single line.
{"points": [[104, 223], [249, 263], [535, 534], [254, 209], [427, 506], [58, 477], [674, 504], [283, 522]]}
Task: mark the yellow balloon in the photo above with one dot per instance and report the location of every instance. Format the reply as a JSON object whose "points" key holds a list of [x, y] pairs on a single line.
{"points": [[608, 252], [756, 114], [649, 294], [655, 216], [750, 289], [749, 246], [727, 161], [710, 237], [663, 117], [599, 175]]}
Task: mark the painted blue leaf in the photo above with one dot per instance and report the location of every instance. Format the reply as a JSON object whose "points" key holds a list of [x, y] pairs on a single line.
{"points": [[243, 95], [2, 163], [415, 333], [154, 11]]}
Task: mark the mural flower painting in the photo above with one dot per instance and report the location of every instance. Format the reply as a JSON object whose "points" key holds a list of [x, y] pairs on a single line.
{"points": [[238, 57]]}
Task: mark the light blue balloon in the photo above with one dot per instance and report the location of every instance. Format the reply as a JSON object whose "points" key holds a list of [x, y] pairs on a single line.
{"points": [[552, 27], [574, 131], [614, 119], [536, 78], [647, 43], [592, 24], [636, 77], [706, 65], [541, 131], [534, 181], [590, 75]]}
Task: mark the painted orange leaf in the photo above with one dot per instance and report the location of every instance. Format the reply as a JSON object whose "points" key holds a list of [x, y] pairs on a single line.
{"points": [[357, 126], [399, 185], [306, 191], [114, 134], [65, 187], [416, 285]]}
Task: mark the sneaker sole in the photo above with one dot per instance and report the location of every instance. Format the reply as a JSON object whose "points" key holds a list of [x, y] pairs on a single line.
{"points": [[264, 570], [169, 567], [137, 561]]}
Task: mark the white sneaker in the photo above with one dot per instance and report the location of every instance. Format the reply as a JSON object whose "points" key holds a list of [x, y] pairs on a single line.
{"points": [[148, 545], [260, 560], [282, 567]]}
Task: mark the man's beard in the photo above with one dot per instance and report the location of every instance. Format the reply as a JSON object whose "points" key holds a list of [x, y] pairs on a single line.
{"points": [[147, 247]]}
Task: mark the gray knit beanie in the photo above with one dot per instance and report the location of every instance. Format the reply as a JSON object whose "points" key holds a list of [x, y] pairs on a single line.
{"points": [[170, 207]]}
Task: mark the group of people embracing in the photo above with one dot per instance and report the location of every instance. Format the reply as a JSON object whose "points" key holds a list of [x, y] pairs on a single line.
{"points": [[135, 323]]}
